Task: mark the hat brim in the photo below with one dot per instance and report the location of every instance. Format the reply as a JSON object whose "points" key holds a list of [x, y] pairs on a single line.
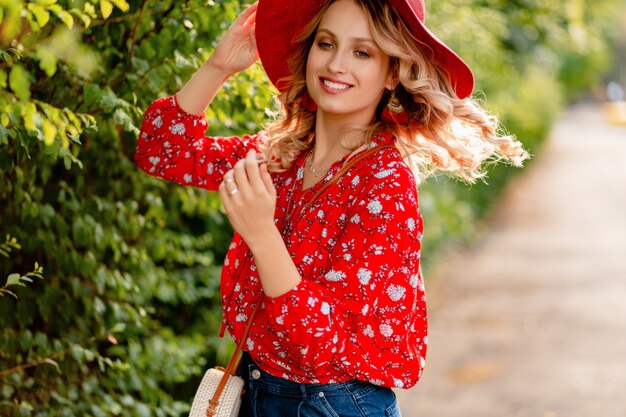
{"points": [[459, 72], [281, 20]]}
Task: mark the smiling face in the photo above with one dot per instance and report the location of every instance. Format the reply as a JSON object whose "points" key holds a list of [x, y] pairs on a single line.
{"points": [[346, 71]]}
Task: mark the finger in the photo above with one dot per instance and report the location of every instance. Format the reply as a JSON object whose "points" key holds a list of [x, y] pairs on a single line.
{"points": [[229, 183], [253, 38], [251, 19], [241, 177], [230, 186], [225, 198], [243, 17], [253, 171], [267, 180], [229, 180], [230, 205]]}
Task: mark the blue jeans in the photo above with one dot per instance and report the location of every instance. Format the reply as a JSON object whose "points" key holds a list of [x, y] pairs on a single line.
{"points": [[269, 396]]}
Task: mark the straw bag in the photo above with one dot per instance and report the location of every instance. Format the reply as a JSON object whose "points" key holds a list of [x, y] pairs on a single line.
{"points": [[220, 392], [229, 401]]}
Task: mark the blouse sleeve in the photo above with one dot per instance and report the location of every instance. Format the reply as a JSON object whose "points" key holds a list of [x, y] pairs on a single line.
{"points": [[373, 325], [172, 145]]}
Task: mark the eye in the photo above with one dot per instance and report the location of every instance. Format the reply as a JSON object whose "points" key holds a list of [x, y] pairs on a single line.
{"points": [[362, 54], [324, 45]]}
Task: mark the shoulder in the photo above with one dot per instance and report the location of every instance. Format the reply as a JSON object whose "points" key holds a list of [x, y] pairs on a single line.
{"points": [[385, 168], [382, 185]]}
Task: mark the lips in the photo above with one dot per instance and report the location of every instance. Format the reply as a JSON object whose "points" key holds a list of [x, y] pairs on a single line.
{"points": [[334, 86]]}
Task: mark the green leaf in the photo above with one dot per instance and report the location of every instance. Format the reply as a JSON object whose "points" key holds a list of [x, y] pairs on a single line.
{"points": [[7, 391], [82, 16], [109, 100], [77, 353], [118, 328], [90, 10], [13, 279], [29, 111], [49, 132], [11, 293], [120, 117], [106, 8], [53, 363], [10, 17], [142, 410], [121, 4], [42, 16], [47, 60], [92, 94], [19, 82], [89, 355], [3, 79], [55, 8], [62, 400], [26, 407], [66, 18], [32, 21]]}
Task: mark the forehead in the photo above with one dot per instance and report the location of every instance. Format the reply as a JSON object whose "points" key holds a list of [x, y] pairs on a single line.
{"points": [[346, 18]]}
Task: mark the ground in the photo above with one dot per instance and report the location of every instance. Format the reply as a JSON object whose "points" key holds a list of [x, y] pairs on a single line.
{"points": [[531, 322]]}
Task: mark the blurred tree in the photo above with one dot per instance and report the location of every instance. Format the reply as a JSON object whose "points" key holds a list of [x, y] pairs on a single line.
{"points": [[529, 57]]}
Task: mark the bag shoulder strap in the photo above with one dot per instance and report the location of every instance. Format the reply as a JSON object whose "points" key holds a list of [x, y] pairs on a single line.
{"points": [[233, 364]]}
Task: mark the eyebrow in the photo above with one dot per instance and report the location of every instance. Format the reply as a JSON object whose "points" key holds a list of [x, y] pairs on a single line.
{"points": [[353, 39]]}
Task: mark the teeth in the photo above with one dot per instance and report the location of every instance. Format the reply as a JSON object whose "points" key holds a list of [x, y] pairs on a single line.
{"points": [[336, 86]]}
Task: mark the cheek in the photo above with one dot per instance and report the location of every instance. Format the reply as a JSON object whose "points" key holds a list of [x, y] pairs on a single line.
{"points": [[380, 71], [376, 80], [310, 69], [374, 76]]}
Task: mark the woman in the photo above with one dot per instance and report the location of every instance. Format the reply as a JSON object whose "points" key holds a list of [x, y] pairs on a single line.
{"points": [[342, 317]]}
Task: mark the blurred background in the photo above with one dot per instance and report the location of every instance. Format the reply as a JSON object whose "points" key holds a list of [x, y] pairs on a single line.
{"points": [[109, 297]]}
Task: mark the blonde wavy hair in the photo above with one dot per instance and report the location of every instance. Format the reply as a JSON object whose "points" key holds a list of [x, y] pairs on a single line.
{"points": [[445, 133]]}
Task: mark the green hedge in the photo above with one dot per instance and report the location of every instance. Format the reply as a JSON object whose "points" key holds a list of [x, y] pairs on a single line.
{"points": [[116, 273]]}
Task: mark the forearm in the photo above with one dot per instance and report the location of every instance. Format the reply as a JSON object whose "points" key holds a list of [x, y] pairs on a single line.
{"points": [[235, 52], [276, 269], [199, 91]]}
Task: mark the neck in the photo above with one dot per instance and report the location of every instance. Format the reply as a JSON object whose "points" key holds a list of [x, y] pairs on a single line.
{"points": [[329, 130]]}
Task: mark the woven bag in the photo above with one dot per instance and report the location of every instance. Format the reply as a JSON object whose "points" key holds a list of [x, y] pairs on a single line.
{"points": [[229, 401], [220, 392]]}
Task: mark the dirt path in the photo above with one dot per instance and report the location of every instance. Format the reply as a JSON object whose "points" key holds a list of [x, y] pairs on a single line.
{"points": [[532, 321]]}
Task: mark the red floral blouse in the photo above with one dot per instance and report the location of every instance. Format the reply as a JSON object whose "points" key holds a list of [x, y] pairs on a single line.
{"points": [[359, 311]]}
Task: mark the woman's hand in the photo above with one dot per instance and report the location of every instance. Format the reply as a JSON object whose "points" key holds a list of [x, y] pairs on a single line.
{"points": [[237, 50], [249, 198]]}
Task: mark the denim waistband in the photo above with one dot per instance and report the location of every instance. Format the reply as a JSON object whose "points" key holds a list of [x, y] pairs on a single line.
{"points": [[255, 377]]}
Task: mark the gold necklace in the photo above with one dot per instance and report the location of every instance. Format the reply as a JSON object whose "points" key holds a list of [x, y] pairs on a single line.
{"points": [[317, 172]]}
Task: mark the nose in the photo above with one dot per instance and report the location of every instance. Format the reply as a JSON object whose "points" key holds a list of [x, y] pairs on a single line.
{"points": [[338, 62]]}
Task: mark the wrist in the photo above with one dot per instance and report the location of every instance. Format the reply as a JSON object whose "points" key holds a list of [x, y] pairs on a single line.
{"points": [[265, 238], [217, 71]]}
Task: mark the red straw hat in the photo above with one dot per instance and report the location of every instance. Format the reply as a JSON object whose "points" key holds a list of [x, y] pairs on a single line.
{"points": [[279, 22]]}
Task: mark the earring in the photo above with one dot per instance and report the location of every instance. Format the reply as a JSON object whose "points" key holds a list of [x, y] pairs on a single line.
{"points": [[308, 103], [394, 111]]}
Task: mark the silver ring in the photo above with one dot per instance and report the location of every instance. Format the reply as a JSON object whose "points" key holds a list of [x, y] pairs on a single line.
{"points": [[233, 192]]}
